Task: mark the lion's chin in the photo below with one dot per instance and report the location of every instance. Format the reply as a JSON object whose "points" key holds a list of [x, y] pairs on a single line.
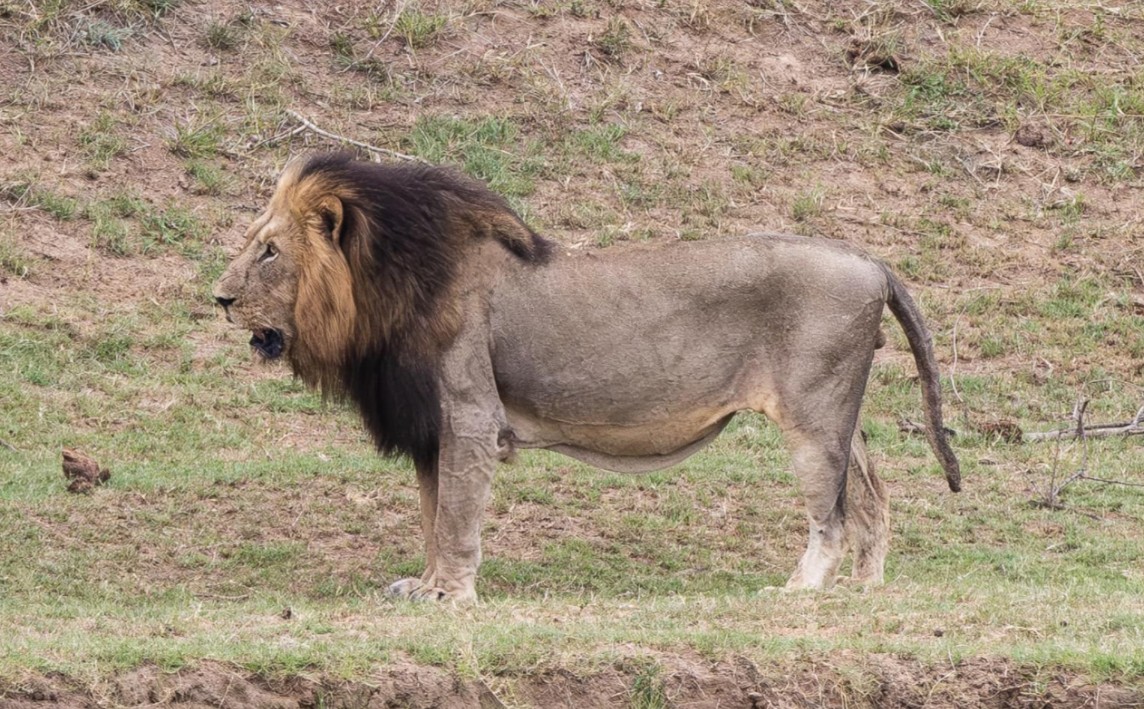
{"points": [[269, 343]]}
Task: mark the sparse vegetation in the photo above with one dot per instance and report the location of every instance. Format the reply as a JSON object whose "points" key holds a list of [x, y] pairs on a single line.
{"points": [[419, 29], [97, 33], [223, 36], [809, 205], [13, 261], [197, 138], [102, 141], [26, 194], [615, 40], [991, 153], [209, 179]]}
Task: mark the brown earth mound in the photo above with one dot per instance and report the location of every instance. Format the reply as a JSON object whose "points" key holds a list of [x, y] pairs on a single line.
{"points": [[845, 680]]}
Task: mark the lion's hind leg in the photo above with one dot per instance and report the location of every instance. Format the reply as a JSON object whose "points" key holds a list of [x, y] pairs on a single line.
{"points": [[867, 516], [820, 471]]}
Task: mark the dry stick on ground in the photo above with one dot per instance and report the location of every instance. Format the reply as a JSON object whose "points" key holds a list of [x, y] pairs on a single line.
{"points": [[1051, 498], [1135, 427], [1052, 494], [342, 139], [9, 446]]}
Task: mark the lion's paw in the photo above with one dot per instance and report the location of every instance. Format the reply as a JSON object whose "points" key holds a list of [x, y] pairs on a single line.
{"points": [[859, 582], [405, 588], [415, 589]]}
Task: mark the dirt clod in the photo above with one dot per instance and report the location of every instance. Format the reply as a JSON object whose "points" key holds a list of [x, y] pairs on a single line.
{"points": [[869, 55], [1005, 430], [1031, 137], [82, 472]]}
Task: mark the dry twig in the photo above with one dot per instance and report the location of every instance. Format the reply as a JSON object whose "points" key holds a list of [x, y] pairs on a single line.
{"points": [[1051, 498], [342, 139], [1135, 427]]}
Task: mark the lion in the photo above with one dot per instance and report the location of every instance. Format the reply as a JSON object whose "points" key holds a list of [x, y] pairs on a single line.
{"points": [[461, 336]]}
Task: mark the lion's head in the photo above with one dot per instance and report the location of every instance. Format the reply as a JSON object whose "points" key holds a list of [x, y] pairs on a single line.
{"points": [[290, 285], [351, 273]]}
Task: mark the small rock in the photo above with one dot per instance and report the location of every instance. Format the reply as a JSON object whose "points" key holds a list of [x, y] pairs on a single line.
{"points": [[938, 632]]}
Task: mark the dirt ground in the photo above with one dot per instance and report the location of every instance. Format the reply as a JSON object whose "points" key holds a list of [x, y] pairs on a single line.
{"points": [[870, 681]]}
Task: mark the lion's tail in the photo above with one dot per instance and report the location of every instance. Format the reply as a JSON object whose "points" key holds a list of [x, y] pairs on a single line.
{"points": [[906, 311]]}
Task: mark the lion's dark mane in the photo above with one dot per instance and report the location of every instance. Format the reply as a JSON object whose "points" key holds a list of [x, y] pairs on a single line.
{"points": [[404, 233]]}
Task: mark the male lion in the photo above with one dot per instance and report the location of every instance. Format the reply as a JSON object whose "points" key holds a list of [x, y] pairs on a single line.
{"points": [[460, 335]]}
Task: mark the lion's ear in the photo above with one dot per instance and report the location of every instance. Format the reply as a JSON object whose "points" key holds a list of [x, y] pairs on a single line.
{"points": [[332, 214]]}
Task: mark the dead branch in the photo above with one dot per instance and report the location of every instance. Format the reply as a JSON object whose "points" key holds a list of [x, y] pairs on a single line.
{"points": [[1135, 427], [1051, 498], [9, 446], [1111, 482], [342, 139]]}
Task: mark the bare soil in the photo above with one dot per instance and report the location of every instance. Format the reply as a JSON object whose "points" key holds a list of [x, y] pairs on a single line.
{"points": [[880, 681]]}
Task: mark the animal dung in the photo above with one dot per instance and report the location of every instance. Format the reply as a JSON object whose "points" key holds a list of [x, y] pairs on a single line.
{"points": [[82, 472]]}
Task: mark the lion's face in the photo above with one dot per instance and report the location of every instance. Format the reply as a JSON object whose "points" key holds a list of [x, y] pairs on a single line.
{"points": [[290, 285], [260, 287]]}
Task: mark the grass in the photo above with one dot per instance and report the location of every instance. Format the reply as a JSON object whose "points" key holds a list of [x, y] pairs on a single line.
{"points": [[419, 29], [236, 494], [614, 41], [199, 137], [51, 202], [13, 261], [101, 142], [488, 148], [643, 552], [121, 224]]}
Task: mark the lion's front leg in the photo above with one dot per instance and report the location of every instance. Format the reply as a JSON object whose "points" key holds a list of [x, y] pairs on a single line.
{"points": [[427, 485], [453, 530], [454, 494], [453, 505], [465, 485]]}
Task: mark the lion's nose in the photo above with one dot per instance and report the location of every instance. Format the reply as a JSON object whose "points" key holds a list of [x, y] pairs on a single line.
{"points": [[224, 302]]}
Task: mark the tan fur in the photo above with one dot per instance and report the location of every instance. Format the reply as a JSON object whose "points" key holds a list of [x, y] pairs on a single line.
{"points": [[631, 359]]}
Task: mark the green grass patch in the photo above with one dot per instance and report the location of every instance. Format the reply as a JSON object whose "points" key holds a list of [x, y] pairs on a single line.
{"points": [[13, 260], [101, 141], [489, 148], [419, 29], [198, 138], [30, 194]]}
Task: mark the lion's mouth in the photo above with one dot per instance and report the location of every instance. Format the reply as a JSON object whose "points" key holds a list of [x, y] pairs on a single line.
{"points": [[268, 343]]}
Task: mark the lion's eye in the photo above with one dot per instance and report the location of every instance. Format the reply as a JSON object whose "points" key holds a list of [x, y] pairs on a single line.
{"points": [[269, 254]]}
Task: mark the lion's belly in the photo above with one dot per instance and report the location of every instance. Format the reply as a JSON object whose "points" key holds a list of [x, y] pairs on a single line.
{"points": [[636, 391], [622, 439]]}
